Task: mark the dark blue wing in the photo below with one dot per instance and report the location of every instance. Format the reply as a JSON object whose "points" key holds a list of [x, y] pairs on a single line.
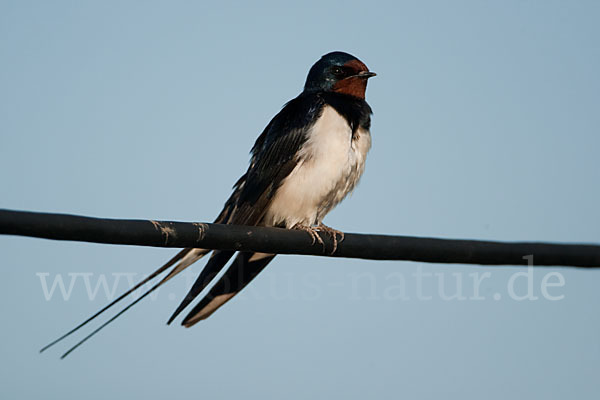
{"points": [[274, 156]]}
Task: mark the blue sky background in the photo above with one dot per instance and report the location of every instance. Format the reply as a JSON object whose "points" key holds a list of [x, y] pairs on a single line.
{"points": [[486, 126]]}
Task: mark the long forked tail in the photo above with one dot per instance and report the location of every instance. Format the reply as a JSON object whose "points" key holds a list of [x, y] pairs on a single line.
{"points": [[240, 273], [217, 261], [184, 259]]}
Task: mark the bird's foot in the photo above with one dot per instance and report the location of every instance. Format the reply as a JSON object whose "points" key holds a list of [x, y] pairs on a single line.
{"points": [[312, 231], [331, 232]]}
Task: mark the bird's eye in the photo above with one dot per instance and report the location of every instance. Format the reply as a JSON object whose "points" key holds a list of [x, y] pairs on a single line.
{"points": [[337, 71]]}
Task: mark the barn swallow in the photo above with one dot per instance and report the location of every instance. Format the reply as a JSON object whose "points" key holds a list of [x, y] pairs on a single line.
{"points": [[305, 162]]}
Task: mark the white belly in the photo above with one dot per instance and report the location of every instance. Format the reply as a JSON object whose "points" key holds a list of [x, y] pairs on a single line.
{"points": [[330, 167]]}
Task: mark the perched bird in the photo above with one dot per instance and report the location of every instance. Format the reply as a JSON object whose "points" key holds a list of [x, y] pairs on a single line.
{"points": [[307, 159]]}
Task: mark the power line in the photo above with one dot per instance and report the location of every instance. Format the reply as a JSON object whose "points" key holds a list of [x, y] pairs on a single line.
{"points": [[283, 241]]}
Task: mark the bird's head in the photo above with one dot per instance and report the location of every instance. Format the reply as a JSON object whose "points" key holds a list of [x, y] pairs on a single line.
{"points": [[339, 72]]}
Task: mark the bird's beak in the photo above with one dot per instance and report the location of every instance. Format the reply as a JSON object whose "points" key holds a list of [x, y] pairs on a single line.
{"points": [[366, 74]]}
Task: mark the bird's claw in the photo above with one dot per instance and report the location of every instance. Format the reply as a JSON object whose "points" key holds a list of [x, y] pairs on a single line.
{"points": [[312, 231], [333, 233]]}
